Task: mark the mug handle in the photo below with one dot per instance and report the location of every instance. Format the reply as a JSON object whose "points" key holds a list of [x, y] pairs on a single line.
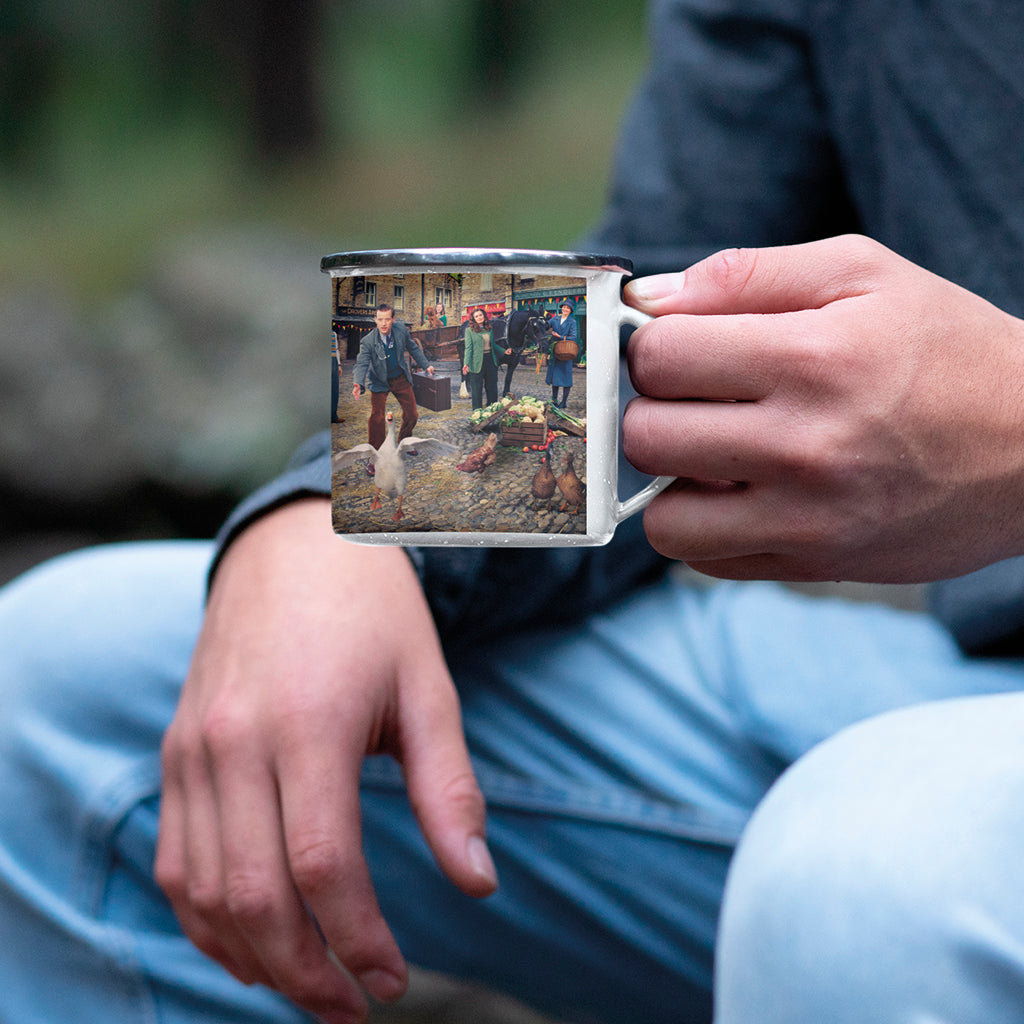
{"points": [[624, 509]]}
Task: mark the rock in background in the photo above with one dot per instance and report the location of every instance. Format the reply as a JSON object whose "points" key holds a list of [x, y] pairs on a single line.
{"points": [[152, 414]]}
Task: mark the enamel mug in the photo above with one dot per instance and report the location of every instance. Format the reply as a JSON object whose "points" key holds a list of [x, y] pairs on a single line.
{"points": [[476, 399]]}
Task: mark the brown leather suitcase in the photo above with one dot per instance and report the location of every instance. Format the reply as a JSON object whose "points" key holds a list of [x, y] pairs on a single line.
{"points": [[434, 393]]}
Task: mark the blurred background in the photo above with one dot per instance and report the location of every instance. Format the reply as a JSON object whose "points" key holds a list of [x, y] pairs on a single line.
{"points": [[171, 173]]}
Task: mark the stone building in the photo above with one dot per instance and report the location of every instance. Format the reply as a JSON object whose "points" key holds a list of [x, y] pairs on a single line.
{"points": [[355, 299]]}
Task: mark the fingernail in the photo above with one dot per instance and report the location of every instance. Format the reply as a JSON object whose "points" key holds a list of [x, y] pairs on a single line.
{"points": [[384, 986], [480, 858], [657, 286]]}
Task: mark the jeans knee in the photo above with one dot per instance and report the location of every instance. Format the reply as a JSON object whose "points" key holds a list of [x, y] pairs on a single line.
{"points": [[80, 627], [873, 863]]}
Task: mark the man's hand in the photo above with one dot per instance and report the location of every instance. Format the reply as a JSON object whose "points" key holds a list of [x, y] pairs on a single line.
{"points": [[357, 391], [832, 411], [314, 653]]}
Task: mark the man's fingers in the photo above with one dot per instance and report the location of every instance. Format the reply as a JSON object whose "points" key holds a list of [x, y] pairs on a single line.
{"points": [[725, 441], [171, 874], [261, 896], [735, 358], [323, 844], [444, 793], [744, 357], [189, 865], [770, 280]]}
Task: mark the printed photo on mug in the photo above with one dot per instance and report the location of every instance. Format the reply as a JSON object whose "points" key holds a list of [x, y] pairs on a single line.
{"points": [[474, 397], [462, 403]]}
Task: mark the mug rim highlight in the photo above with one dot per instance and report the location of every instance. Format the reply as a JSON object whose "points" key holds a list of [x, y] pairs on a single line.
{"points": [[340, 262]]}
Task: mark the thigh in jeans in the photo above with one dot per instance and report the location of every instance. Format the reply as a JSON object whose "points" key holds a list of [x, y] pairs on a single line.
{"points": [[95, 648]]}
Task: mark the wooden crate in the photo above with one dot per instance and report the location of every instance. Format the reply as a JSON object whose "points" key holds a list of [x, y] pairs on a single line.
{"points": [[523, 433], [433, 393]]}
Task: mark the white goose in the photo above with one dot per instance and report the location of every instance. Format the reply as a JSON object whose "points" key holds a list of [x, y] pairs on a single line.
{"points": [[389, 473]]}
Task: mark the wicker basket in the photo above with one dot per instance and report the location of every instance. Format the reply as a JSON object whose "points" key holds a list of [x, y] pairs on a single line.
{"points": [[565, 349]]}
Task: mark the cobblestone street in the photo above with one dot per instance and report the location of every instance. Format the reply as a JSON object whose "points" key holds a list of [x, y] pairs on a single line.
{"points": [[440, 497]]}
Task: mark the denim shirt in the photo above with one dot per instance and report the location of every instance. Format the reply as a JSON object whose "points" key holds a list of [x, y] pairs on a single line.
{"points": [[772, 122]]}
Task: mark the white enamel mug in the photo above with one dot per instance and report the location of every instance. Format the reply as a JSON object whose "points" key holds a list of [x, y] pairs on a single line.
{"points": [[477, 467]]}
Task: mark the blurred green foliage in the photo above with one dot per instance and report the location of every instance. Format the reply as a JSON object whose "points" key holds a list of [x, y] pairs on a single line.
{"points": [[424, 122]]}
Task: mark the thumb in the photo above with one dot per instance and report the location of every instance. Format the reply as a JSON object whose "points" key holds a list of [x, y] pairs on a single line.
{"points": [[445, 796], [780, 279]]}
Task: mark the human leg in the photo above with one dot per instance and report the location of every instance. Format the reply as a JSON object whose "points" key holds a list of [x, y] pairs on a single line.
{"points": [[880, 879], [490, 374], [476, 389], [621, 764], [403, 391], [95, 646], [376, 427]]}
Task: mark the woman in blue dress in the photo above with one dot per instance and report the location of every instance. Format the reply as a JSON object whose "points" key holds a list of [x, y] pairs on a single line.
{"points": [[560, 370]]}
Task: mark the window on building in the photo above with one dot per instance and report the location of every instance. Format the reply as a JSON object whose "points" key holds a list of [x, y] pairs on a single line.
{"points": [[486, 282], [444, 296], [371, 293], [399, 296]]}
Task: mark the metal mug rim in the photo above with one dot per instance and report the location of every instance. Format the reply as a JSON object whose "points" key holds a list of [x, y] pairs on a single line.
{"points": [[472, 257]]}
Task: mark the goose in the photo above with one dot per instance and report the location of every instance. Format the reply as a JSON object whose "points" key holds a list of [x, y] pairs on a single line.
{"points": [[389, 462]]}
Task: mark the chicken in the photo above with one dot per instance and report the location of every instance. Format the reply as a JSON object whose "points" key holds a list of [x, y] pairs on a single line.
{"points": [[543, 485], [479, 459], [389, 463], [571, 486]]}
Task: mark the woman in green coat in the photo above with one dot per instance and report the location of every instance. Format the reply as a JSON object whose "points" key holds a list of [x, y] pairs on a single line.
{"points": [[481, 359]]}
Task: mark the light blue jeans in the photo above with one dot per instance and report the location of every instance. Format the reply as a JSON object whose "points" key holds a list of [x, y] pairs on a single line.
{"points": [[879, 881]]}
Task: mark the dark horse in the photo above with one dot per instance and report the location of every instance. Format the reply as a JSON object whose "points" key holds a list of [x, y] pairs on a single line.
{"points": [[520, 328]]}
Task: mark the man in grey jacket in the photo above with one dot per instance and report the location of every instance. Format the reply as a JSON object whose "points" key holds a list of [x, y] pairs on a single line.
{"points": [[382, 365]]}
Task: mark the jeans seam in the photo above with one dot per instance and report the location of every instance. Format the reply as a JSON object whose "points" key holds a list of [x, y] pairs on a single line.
{"points": [[609, 807]]}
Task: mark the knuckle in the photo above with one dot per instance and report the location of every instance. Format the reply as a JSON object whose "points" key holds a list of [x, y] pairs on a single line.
{"points": [[171, 880], [860, 247], [316, 861], [637, 445], [857, 260], [224, 733], [248, 901], [729, 270], [206, 898], [812, 455], [462, 793], [172, 750], [652, 350]]}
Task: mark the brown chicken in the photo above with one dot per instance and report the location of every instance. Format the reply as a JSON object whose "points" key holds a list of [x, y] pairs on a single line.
{"points": [[479, 459], [544, 482], [571, 486]]}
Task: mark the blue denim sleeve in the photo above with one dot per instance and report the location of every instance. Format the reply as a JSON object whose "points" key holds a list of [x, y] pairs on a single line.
{"points": [[985, 609], [726, 142]]}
